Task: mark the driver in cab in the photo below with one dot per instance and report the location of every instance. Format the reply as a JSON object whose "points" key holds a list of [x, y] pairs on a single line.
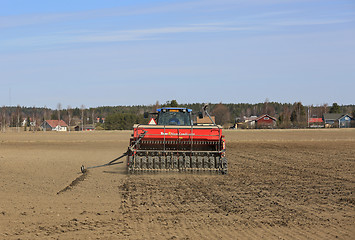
{"points": [[174, 120]]}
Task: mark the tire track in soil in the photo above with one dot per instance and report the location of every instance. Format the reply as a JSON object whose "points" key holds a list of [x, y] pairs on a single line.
{"points": [[75, 225], [212, 206], [247, 203], [180, 205], [75, 182], [327, 192], [290, 167], [325, 187], [337, 185], [336, 182], [300, 152], [272, 209]]}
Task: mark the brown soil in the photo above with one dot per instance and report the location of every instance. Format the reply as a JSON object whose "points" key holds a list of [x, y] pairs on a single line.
{"points": [[282, 184]]}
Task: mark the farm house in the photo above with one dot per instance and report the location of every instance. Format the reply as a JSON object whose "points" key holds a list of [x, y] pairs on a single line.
{"points": [[54, 125], [337, 120], [250, 121], [344, 121], [265, 121]]}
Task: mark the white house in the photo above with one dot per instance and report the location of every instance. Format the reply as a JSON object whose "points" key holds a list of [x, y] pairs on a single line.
{"points": [[54, 125], [24, 122]]}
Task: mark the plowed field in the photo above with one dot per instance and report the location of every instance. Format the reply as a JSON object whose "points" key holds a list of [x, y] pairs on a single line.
{"points": [[282, 184]]}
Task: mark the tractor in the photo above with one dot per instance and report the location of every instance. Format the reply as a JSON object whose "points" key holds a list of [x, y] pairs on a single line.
{"points": [[171, 142]]}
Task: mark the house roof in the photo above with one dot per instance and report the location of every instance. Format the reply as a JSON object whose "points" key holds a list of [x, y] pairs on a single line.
{"points": [[265, 115], [346, 115], [315, 120], [250, 119], [332, 116], [54, 123]]}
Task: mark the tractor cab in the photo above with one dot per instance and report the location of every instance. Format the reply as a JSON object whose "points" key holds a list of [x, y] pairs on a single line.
{"points": [[174, 116]]}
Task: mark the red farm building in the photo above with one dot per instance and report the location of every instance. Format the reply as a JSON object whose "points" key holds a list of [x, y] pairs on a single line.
{"points": [[265, 121], [316, 122]]}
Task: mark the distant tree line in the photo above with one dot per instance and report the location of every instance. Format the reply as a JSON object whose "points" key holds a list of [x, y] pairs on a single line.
{"points": [[123, 117], [122, 121]]}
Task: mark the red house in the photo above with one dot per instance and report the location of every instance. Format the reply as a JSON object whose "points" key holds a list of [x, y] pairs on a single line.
{"points": [[316, 122], [265, 121]]}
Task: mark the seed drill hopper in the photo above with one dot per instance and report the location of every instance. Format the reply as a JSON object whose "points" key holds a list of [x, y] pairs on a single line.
{"points": [[171, 142]]}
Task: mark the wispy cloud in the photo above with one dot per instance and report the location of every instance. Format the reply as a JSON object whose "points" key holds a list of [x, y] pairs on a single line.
{"points": [[313, 22], [25, 20], [148, 34], [260, 21], [37, 19], [119, 36], [142, 34]]}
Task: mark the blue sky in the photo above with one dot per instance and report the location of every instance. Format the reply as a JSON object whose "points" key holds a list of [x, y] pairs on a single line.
{"points": [[100, 53]]}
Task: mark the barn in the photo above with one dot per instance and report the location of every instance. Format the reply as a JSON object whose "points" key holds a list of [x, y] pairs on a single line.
{"points": [[265, 121]]}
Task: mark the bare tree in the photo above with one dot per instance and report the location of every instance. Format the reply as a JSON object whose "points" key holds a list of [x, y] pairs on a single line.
{"points": [[45, 116], [155, 106], [268, 108], [285, 118], [254, 112], [242, 114], [70, 113], [3, 119], [248, 112], [325, 108], [59, 108], [93, 116], [82, 108], [221, 113], [34, 119], [18, 113]]}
